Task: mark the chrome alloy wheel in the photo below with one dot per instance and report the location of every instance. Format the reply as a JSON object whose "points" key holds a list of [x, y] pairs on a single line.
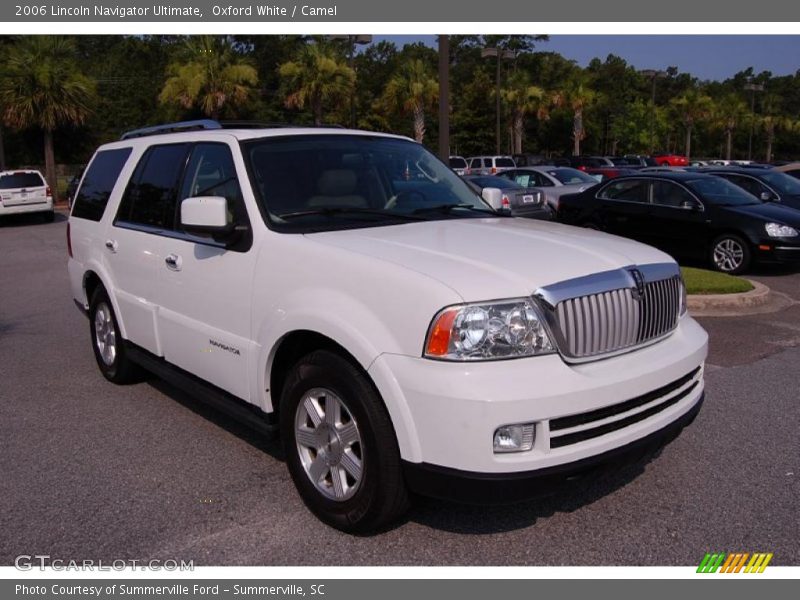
{"points": [[728, 255], [105, 336], [329, 444]]}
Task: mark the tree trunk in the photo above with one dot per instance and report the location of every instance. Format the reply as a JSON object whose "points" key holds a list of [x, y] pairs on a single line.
{"points": [[770, 139], [50, 164], [688, 142], [2, 151], [577, 132], [316, 108], [419, 123], [518, 129], [728, 143]]}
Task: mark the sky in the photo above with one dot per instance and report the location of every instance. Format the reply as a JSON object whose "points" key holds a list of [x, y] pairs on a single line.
{"points": [[712, 57]]}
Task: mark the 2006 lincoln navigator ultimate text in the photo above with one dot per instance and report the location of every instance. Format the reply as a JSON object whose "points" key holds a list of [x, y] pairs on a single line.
{"points": [[348, 290]]}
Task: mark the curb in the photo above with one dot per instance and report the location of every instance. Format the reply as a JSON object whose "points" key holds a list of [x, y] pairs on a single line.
{"points": [[760, 299]]}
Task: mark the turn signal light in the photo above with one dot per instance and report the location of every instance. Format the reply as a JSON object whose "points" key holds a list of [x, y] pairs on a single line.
{"points": [[439, 339]]}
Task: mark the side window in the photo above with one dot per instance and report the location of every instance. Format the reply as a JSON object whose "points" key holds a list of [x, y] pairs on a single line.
{"points": [[487, 163], [540, 180], [211, 172], [475, 163], [748, 183], [630, 190], [523, 179], [667, 193], [151, 196], [98, 183]]}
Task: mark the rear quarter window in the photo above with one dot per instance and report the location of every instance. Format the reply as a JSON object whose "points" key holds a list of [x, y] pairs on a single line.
{"points": [[98, 183]]}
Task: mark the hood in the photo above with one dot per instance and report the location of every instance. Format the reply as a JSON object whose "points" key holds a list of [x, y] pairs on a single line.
{"points": [[484, 259], [769, 211]]}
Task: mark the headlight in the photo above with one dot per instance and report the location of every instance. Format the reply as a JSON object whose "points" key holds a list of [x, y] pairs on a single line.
{"points": [[506, 329], [778, 230]]}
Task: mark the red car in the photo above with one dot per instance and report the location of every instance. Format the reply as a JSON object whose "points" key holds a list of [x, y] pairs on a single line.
{"points": [[670, 160]]}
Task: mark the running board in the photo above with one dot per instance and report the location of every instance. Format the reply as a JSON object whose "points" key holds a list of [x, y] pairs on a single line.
{"points": [[210, 395]]}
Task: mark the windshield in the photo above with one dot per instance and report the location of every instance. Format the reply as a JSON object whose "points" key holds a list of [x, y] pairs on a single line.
{"points": [[458, 163], [14, 181], [569, 176], [783, 183], [721, 192], [339, 181]]}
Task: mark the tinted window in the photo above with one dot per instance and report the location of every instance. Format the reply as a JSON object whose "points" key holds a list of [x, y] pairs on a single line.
{"points": [[98, 183], [458, 163], [475, 163], [667, 193], [630, 190], [211, 172], [487, 163], [495, 182], [721, 192], [505, 163], [14, 181], [749, 184], [152, 195]]}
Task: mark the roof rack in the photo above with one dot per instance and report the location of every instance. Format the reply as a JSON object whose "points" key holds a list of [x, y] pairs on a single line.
{"points": [[204, 124], [172, 128]]}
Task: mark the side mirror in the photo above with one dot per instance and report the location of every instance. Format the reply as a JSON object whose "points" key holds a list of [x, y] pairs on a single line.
{"points": [[690, 205], [767, 197], [207, 216], [493, 197]]}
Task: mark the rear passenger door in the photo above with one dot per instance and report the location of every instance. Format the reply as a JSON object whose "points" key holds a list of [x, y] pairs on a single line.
{"points": [[623, 207], [204, 289]]}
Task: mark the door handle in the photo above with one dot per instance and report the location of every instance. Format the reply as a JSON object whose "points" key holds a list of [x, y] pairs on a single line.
{"points": [[173, 262], [111, 245]]}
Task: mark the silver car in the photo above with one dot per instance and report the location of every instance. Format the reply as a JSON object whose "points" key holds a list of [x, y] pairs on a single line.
{"points": [[553, 181]]}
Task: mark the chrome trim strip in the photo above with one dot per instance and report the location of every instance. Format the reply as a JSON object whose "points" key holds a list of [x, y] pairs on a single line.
{"points": [[787, 248]]}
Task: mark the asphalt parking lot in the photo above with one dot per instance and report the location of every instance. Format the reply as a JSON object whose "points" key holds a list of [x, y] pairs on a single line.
{"points": [[89, 470]]}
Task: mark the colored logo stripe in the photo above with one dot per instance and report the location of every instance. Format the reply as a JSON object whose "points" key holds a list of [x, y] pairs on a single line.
{"points": [[734, 562]]}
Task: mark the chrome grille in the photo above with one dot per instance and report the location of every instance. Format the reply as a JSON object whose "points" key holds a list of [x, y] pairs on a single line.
{"points": [[617, 317]]}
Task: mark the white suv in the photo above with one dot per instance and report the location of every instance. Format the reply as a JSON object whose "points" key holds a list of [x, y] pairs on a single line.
{"points": [[25, 191], [348, 290]]}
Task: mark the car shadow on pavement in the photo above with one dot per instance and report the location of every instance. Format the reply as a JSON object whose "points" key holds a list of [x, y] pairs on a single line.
{"points": [[11, 221]]}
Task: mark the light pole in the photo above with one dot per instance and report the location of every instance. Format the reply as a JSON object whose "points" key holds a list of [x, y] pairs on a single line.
{"points": [[352, 42], [653, 75], [752, 88], [500, 53]]}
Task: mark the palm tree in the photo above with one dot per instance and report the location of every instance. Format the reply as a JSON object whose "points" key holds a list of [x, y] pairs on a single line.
{"points": [[316, 77], [411, 90], [208, 73], [41, 86], [727, 113], [771, 121], [523, 98], [577, 96], [691, 107]]}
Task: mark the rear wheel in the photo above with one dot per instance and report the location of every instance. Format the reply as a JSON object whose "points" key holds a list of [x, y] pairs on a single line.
{"points": [[107, 343], [730, 254], [340, 445]]}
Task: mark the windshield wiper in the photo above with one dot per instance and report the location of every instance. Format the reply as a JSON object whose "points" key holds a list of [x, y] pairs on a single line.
{"points": [[448, 208], [331, 211]]}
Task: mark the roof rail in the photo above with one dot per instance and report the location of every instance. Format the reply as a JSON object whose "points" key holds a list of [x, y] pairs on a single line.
{"points": [[172, 128]]}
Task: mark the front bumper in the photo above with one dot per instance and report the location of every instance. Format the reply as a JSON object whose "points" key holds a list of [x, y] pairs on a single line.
{"points": [[504, 488], [783, 251], [445, 414]]}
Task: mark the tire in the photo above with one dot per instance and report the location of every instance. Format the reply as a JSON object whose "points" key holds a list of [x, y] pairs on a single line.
{"points": [[345, 437], [107, 342], [730, 254]]}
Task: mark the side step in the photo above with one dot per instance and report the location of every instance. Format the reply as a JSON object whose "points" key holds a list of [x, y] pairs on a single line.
{"points": [[236, 408]]}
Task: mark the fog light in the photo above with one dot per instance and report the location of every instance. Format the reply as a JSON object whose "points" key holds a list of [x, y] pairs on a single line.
{"points": [[513, 438]]}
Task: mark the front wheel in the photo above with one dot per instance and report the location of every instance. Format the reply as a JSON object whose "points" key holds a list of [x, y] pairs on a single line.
{"points": [[340, 444], [730, 254]]}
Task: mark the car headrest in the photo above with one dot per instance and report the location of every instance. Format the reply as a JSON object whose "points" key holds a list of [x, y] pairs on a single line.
{"points": [[337, 182]]}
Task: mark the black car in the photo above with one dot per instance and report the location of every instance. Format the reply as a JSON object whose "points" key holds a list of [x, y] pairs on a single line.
{"points": [[765, 183], [690, 215], [521, 201]]}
